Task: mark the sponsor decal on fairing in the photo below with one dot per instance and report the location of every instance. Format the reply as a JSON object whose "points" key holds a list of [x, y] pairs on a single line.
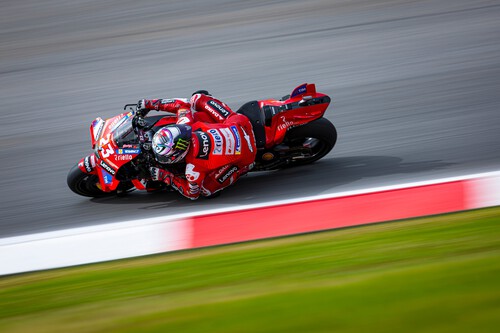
{"points": [[127, 151], [285, 124], [299, 90], [106, 167], [217, 138], [124, 157], [89, 163], [108, 179], [118, 121]]}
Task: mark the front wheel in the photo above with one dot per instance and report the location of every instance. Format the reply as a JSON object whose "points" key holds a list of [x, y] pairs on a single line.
{"points": [[312, 141], [85, 184]]}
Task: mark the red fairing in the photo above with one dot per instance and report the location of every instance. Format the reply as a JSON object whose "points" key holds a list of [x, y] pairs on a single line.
{"points": [[109, 156], [87, 164], [293, 114]]}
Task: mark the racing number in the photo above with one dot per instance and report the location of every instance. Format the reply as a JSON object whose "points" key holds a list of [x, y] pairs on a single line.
{"points": [[105, 152]]}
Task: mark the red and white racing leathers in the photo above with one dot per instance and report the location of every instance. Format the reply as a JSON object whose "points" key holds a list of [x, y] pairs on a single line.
{"points": [[222, 145]]}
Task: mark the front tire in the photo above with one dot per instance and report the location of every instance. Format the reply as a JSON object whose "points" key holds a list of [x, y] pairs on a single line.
{"points": [[85, 184], [322, 135]]}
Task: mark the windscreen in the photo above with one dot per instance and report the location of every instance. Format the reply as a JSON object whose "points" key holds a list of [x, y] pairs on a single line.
{"points": [[124, 133]]}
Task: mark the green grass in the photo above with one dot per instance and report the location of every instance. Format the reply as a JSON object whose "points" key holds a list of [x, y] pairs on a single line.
{"points": [[437, 274]]}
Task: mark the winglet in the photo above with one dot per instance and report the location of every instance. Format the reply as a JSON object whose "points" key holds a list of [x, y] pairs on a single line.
{"points": [[304, 89]]}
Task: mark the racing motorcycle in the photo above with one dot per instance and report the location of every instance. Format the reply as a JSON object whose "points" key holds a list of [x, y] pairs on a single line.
{"points": [[290, 131]]}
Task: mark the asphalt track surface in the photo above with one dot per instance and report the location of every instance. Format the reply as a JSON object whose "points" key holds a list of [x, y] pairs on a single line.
{"points": [[415, 88]]}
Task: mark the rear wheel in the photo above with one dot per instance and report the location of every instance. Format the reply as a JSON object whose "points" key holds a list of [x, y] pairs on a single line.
{"points": [[311, 142], [85, 184]]}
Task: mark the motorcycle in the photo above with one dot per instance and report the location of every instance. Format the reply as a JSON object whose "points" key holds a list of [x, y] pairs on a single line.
{"points": [[288, 132]]}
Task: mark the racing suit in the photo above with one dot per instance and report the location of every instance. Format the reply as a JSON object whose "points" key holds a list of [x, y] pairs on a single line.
{"points": [[222, 145]]}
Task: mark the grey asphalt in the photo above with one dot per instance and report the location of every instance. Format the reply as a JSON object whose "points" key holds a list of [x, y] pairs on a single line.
{"points": [[415, 88]]}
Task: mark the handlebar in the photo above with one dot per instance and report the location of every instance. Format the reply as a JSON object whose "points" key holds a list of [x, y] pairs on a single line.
{"points": [[129, 105]]}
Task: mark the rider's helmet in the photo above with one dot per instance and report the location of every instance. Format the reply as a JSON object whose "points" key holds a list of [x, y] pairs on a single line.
{"points": [[171, 143], [203, 92]]}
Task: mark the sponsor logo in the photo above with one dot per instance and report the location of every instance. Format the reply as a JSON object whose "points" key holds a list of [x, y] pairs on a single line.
{"points": [[108, 179], [114, 121], [229, 139], [191, 175], [285, 124], [219, 111], [247, 139], [167, 101], [227, 174], [238, 140], [205, 145], [221, 170], [123, 157], [107, 167], [214, 113], [118, 121], [87, 164], [217, 141], [127, 151], [182, 144], [299, 90]]}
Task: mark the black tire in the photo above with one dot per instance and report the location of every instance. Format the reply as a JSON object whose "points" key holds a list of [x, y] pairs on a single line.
{"points": [[85, 184], [322, 130]]}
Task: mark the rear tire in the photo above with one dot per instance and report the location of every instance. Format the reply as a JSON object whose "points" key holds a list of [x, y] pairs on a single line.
{"points": [[320, 129], [85, 184]]}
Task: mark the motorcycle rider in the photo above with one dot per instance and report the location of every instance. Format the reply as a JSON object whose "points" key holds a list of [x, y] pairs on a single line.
{"points": [[217, 144]]}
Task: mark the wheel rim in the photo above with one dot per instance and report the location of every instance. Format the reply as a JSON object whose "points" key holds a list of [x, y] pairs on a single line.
{"points": [[89, 184], [318, 150]]}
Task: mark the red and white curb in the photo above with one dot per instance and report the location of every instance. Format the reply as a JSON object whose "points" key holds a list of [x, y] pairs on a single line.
{"points": [[247, 222]]}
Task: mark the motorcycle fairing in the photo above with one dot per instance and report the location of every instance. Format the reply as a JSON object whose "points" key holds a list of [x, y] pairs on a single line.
{"points": [[114, 147], [303, 106]]}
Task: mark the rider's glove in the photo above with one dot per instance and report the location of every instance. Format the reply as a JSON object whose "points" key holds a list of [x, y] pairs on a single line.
{"points": [[140, 122], [161, 175], [141, 108]]}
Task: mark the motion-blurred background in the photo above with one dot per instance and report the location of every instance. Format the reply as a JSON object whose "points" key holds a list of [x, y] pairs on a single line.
{"points": [[415, 88]]}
